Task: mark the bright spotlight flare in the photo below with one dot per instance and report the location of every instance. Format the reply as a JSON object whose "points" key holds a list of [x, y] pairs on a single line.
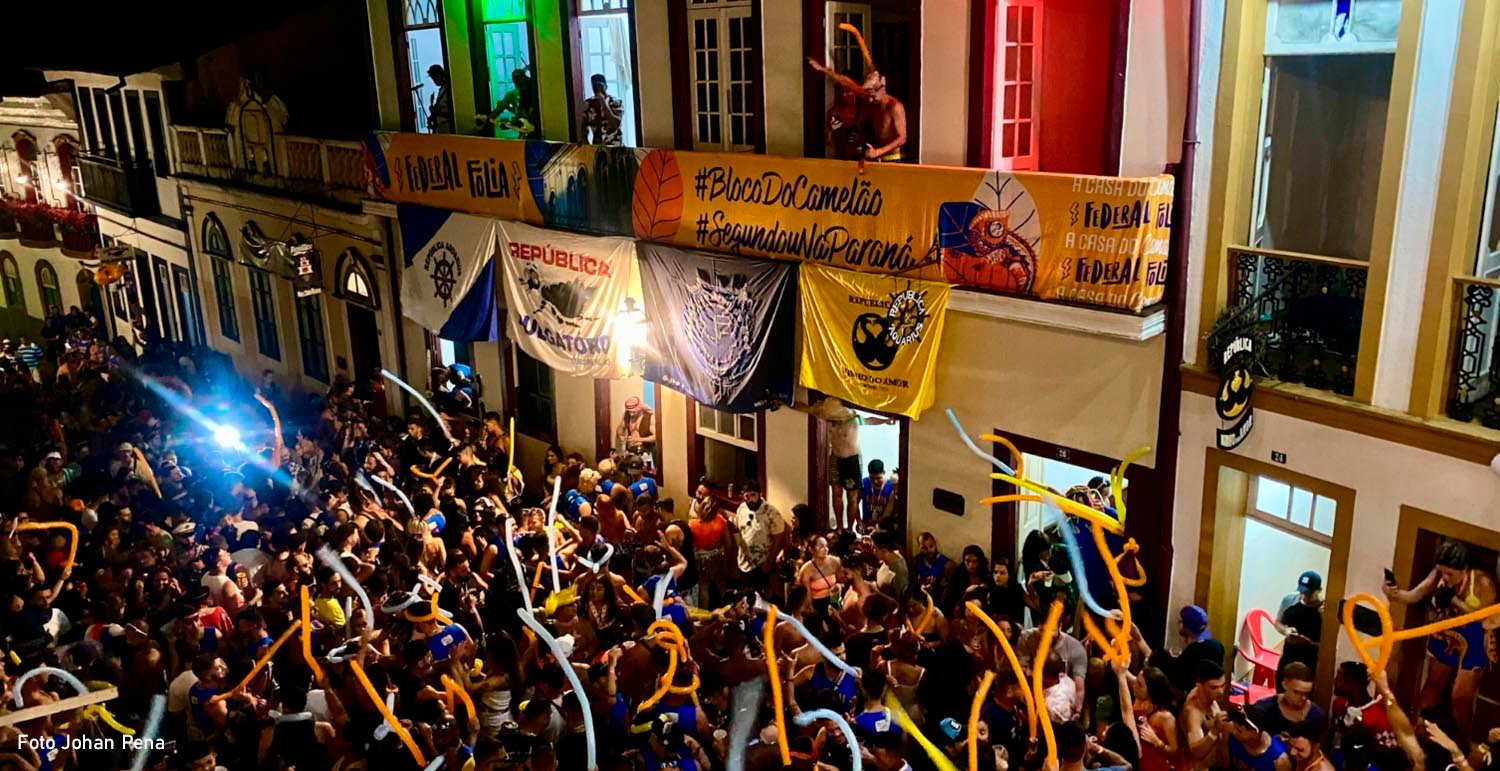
{"points": [[186, 409], [422, 400], [227, 436]]}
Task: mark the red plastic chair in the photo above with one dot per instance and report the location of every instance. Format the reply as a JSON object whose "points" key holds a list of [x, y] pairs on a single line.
{"points": [[1263, 661], [1252, 648]]}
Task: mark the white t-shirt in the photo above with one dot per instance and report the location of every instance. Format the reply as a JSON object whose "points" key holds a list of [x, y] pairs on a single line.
{"points": [[317, 704], [217, 587], [758, 529], [177, 691]]}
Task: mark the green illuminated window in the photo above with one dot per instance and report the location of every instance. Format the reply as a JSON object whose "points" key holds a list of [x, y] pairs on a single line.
{"points": [[504, 10]]}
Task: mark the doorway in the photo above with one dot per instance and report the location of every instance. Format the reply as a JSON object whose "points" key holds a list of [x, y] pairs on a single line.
{"points": [[153, 323], [1297, 526], [1419, 535], [1060, 468], [1059, 475], [604, 48], [189, 320], [364, 340], [880, 439], [1263, 525]]}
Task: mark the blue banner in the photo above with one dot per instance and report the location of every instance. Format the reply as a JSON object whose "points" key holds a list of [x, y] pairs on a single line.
{"points": [[721, 328], [448, 281]]}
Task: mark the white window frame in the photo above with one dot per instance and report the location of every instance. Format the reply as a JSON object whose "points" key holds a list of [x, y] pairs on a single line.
{"points": [[1283, 520], [598, 19], [836, 39], [1260, 193], [1487, 262], [1349, 44], [732, 439], [356, 286], [722, 11], [1029, 161]]}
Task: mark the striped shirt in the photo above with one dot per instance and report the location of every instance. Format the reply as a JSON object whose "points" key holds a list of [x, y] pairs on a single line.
{"points": [[29, 354]]}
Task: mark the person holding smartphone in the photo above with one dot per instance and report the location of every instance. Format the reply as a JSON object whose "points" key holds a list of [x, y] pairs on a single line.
{"points": [[1300, 619], [1456, 657]]}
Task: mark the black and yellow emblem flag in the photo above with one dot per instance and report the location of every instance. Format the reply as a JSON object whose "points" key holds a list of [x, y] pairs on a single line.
{"points": [[1235, 390], [872, 340]]}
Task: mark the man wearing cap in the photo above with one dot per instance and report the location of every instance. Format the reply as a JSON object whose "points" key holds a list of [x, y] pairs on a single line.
{"points": [[1200, 645], [602, 114], [1300, 618]]}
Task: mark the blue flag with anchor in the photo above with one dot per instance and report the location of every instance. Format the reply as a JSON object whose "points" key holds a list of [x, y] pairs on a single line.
{"points": [[448, 274], [721, 327]]}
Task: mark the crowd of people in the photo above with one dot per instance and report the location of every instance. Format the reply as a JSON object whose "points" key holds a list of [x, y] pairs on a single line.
{"points": [[196, 544]]}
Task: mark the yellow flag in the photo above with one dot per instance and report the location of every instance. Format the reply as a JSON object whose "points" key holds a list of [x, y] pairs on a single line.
{"points": [[872, 340]]}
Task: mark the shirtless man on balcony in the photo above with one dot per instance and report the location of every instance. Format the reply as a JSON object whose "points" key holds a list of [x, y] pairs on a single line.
{"points": [[886, 116]]}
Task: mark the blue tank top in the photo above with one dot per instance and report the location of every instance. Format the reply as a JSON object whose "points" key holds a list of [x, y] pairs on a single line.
{"points": [[879, 722], [687, 717], [49, 756], [572, 502], [845, 686], [198, 699], [655, 762], [1266, 761], [930, 572], [443, 643]]}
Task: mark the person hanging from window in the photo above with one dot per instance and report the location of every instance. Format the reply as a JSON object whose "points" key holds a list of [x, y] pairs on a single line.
{"points": [[602, 114]]}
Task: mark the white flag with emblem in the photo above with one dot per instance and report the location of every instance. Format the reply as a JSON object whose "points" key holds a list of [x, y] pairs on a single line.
{"points": [[448, 281], [565, 293]]}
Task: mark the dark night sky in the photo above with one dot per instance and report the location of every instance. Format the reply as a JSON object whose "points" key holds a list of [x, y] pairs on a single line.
{"points": [[313, 54]]}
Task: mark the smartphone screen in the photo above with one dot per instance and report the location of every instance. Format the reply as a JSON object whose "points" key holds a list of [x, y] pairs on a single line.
{"points": [[1390, 576]]}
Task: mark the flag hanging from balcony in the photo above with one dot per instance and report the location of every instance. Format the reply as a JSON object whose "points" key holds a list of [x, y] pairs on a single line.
{"points": [[721, 327], [872, 340], [565, 294], [448, 285]]}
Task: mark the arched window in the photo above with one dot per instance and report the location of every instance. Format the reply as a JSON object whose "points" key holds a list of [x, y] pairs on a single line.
{"points": [[27, 154], [10, 276], [84, 282], [66, 148], [356, 282], [46, 281], [215, 244]]}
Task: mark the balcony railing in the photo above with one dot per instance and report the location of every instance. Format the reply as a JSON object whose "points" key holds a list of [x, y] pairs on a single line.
{"points": [[1474, 385], [324, 168], [124, 185], [1307, 308]]}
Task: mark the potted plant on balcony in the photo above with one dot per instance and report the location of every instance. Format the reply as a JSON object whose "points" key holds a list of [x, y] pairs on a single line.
{"points": [[38, 228], [80, 231], [8, 225]]}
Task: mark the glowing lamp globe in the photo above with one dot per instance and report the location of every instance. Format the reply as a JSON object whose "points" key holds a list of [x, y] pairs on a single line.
{"points": [[227, 436]]}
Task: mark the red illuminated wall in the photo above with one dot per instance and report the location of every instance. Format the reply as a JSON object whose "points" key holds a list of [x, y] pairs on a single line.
{"points": [[1077, 49]]}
